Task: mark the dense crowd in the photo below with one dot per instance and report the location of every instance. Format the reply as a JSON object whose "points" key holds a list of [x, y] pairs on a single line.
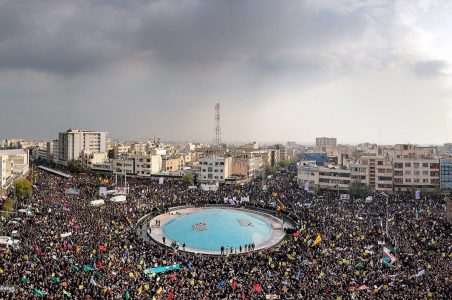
{"points": [[103, 257]]}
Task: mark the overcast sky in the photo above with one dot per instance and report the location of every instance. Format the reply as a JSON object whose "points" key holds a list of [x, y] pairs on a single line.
{"points": [[282, 70]]}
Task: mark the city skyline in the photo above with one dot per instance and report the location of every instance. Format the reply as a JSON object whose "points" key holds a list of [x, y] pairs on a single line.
{"points": [[290, 71]]}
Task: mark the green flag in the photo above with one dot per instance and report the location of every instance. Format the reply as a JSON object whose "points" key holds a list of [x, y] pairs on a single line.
{"points": [[24, 280], [87, 268], [66, 293], [75, 267], [55, 279], [39, 292], [127, 295], [359, 265]]}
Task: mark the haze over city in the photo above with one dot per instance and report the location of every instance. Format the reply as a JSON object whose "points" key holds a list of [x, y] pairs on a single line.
{"points": [[377, 71]]}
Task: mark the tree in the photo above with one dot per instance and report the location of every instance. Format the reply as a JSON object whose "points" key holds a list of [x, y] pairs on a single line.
{"points": [[7, 207], [23, 187], [188, 178], [359, 189], [271, 170], [74, 166]]}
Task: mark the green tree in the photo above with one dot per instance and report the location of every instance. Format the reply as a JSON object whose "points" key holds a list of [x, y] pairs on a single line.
{"points": [[7, 207], [188, 178], [271, 170], [74, 166], [23, 187], [359, 189]]}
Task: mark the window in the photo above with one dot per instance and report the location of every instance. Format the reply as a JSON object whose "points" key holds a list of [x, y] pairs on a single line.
{"points": [[407, 172], [380, 163], [416, 165], [425, 165], [408, 180], [408, 165]]}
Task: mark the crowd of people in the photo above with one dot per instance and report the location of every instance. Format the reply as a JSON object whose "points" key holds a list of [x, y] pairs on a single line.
{"points": [[69, 249]]}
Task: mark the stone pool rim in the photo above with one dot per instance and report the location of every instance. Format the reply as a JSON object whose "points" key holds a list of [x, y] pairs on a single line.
{"points": [[277, 233]]}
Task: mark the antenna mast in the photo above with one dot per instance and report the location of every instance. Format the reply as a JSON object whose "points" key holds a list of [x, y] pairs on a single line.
{"points": [[217, 128]]}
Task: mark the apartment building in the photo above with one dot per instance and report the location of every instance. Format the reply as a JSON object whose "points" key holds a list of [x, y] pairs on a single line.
{"points": [[332, 178], [326, 142], [13, 164], [213, 168], [146, 165], [446, 174], [170, 164], [247, 168], [359, 172], [123, 166], [120, 150], [415, 167], [88, 158], [72, 142]]}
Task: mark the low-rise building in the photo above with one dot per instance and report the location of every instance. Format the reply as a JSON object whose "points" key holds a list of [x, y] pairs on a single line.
{"points": [[146, 165], [247, 168], [446, 174], [331, 178], [213, 169], [13, 164], [170, 164], [123, 166], [89, 158]]}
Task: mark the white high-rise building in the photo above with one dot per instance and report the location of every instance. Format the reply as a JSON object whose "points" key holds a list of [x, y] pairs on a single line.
{"points": [[72, 142]]}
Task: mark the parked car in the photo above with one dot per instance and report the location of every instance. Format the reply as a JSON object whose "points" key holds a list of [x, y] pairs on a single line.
{"points": [[26, 212], [6, 241]]}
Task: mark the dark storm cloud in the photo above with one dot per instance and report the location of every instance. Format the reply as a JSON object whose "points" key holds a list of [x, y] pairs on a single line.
{"points": [[159, 66], [72, 37], [61, 37], [430, 68]]}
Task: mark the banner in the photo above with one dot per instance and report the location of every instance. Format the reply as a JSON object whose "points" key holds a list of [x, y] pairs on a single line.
{"points": [[389, 258], [161, 180], [121, 190], [244, 199], [73, 191], [63, 235], [418, 194], [102, 191], [162, 269], [307, 186]]}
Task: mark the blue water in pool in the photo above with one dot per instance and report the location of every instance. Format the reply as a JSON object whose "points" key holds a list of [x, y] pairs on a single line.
{"points": [[223, 229]]}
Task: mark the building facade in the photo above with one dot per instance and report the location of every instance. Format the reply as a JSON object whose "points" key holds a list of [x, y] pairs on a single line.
{"points": [[13, 164], [213, 169], [72, 142], [446, 174], [415, 168], [171, 164], [325, 142]]}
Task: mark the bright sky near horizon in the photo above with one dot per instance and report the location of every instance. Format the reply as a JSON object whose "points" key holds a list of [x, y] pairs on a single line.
{"points": [[282, 70]]}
